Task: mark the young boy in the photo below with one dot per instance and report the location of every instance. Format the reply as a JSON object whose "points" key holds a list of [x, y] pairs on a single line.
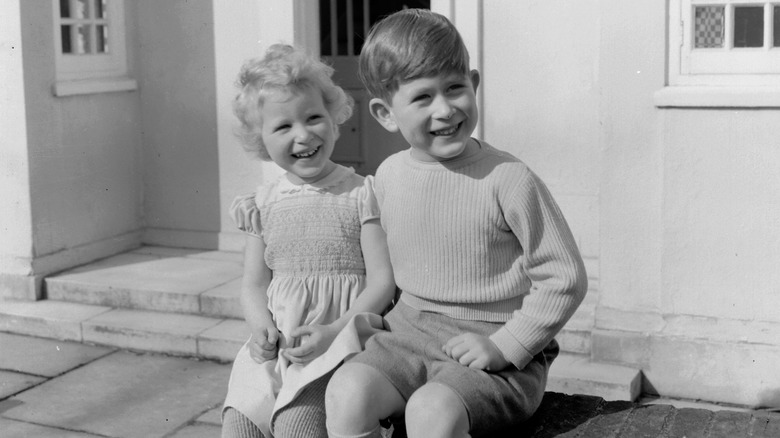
{"points": [[488, 268]]}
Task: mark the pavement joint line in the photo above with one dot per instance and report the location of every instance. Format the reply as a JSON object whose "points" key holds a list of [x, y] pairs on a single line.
{"points": [[669, 420]]}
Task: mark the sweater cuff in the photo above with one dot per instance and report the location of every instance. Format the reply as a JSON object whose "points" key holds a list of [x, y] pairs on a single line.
{"points": [[512, 350]]}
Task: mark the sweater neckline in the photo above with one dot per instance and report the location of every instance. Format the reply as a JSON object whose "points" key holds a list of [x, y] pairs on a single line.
{"points": [[455, 163]]}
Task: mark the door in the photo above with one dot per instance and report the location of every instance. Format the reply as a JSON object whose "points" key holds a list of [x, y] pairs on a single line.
{"points": [[363, 144]]}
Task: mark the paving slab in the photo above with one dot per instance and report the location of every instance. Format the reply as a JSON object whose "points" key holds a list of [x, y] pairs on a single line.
{"points": [[691, 423], [765, 426], [730, 424], [212, 416], [198, 430], [45, 357], [149, 331], [608, 423], [11, 382], [125, 395], [19, 429], [48, 319]]}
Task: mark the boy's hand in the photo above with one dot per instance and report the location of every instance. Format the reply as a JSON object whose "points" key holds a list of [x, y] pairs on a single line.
{"points": [[315, 340], [475, 351], [263, 346]]}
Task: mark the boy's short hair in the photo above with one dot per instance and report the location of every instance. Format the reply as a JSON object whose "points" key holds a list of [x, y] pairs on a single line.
{"points": [[287, 69], [410, 44]]}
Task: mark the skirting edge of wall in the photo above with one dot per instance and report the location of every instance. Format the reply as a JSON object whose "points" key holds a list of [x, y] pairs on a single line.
{"points": [[29, 286]]}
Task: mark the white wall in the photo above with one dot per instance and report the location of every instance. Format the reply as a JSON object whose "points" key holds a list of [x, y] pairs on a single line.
{"points": [[175, 64], [676, 210], [690, 245], [77, 187], [722, 214], [189, 57], [243, 30], [541, 102], [16, 214]]}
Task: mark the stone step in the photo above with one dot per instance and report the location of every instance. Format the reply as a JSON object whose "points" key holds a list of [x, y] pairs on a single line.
{"points": [[575, 338], [220, 338], [577, 374], [142, 330], [186, 302], [205, 283], [154, 278]]}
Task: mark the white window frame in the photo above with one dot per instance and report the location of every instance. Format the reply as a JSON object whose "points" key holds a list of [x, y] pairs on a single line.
{"points": [[94, 72], [719, 77]]}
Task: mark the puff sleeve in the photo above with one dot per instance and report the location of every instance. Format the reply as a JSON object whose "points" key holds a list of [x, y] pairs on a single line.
{"points": [[245, 214], [368, 207]]}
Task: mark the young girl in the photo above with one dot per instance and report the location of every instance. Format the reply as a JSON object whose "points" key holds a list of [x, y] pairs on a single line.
{"points": [[315, 252]]}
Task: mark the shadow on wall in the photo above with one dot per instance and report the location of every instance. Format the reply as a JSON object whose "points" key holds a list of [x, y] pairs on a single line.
{"points": [[770, 399]]}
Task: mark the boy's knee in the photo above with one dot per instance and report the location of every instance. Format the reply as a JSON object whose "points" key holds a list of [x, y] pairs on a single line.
{"points": [[436, 410], [347, 389]]}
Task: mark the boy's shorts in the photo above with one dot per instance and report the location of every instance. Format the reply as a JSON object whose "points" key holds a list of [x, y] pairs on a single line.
{"points": [[410, 355]]}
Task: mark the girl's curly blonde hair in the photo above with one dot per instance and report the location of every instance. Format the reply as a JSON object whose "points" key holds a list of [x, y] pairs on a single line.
{"points": [[290, 69]]}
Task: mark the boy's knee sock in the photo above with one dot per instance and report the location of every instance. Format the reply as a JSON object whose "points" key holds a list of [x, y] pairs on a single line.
{"points": [[237, 425], [374, 433]]}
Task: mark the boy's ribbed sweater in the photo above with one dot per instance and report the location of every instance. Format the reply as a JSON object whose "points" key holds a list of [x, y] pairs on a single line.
{"points": [[481, 238]]}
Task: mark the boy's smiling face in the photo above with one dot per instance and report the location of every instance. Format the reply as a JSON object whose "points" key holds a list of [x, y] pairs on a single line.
{"points": [[436, 115]]}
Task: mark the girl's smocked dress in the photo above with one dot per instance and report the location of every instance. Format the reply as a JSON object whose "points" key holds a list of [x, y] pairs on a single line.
{"points": [[312, 237]]}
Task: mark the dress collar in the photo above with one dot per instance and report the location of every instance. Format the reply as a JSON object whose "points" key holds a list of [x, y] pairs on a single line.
{"points": [[330, 180]]}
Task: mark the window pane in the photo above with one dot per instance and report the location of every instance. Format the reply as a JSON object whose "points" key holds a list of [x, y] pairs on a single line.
{"points": [[100, 8], [708, 27], [101, 39], [65, 37], [325, 38], [64, 8], [776, 26], [75, 39], [748, 26], [79, 8]]}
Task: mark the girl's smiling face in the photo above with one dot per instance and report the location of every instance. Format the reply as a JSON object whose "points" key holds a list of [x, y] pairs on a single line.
{"points": [[299, 133]]}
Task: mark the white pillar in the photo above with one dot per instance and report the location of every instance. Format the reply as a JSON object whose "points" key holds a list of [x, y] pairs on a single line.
{"points": [[244, 29], [16, 244], [467, 17]]}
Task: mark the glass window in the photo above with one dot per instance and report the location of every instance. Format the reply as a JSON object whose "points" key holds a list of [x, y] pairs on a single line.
{"points": [[83, 27], [90, 40], [724, 42], [776, 26], [344, 24], [748, 26], [708, 27]]}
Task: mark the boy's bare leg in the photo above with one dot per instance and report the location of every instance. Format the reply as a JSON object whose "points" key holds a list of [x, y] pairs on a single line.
{"points": [[358, 397], [435, 410]]}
